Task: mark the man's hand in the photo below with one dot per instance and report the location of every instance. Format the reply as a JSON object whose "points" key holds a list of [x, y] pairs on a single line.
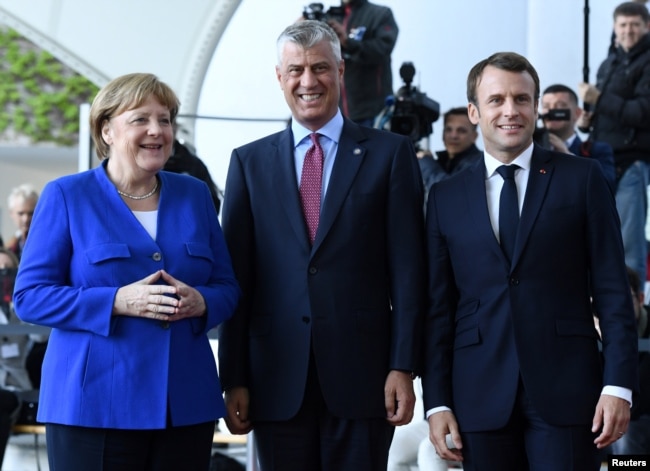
{"points": [[340, 31], [399, 397], [557, 143], [588, 93], [441, 424], [612, 418], [584, 121], [237, 402]]}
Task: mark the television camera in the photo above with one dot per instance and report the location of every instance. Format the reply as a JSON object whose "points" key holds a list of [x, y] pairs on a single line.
{"points": [[409, 112], [540, 136], [316, 11]]}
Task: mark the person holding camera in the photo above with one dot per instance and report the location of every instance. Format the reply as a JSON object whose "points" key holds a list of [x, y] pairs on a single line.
{"points": [[368, 34], [620, 104], [560, 113]]}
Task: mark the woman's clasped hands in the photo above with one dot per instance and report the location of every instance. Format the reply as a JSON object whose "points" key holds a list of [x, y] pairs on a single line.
{"points": [[148, 298]]}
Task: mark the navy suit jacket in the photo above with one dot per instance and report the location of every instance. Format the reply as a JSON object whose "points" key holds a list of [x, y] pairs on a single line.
{"points": [[355, 298], [491, 324], [123, 372]]}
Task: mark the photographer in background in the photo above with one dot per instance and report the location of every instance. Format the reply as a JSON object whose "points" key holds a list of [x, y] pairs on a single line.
{"points": [[367, 33], [559, 113]]}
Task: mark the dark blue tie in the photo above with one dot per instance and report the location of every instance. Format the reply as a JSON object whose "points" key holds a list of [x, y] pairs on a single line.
{"points": [[508, 210]]}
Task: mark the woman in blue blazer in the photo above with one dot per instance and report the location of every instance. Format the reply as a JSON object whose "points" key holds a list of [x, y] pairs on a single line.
{"points": [[128, 265]]}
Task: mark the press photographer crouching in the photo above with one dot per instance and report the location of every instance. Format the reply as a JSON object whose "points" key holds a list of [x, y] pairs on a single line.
{"points": [[559, 112]]}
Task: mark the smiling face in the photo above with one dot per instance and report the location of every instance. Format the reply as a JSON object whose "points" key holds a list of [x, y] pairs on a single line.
{"points": [[310, 79], [506, 111], [629, 30], [140, 138]]}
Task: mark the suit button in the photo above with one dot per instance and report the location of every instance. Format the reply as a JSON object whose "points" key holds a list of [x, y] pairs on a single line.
{"points": [[514, 281], [313, 270], [157, 256], [164, 324], [305, 319]]}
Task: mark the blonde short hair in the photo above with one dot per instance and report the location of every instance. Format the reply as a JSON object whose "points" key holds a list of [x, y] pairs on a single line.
{"points": [[125, 93]]}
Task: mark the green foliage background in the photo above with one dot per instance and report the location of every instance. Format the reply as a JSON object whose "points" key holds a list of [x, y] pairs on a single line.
{"points": [[39, 96]]}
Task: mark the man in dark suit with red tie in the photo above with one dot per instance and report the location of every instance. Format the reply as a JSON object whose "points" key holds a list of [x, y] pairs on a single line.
{"points": [[325, 228], [512, 363]]}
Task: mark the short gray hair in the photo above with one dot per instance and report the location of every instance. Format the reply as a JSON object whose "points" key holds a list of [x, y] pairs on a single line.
{"points": [[306, 34]]}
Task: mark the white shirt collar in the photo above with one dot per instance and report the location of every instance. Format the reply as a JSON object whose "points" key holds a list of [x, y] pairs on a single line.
{"points": [[569, 141], [523, 160]]}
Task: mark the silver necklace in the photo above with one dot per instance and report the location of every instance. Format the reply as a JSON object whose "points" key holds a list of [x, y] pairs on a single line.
{"points": [[143, 197]]}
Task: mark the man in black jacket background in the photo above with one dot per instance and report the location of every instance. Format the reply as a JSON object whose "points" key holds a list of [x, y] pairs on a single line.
{"points": [[621, 117]]}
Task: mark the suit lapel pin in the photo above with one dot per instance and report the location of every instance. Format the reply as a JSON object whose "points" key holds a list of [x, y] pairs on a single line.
{"points": [[356, 151], [542, 171]]}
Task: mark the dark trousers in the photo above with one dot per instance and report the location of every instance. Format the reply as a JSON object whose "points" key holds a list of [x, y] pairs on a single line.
{"points": [[529, 443], [8, 407], [315, 440], [99, 449]]}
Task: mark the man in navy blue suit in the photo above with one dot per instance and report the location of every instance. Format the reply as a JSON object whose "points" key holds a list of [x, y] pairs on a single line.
{"points": [[318, 357], [512, 363], [562, 133]]}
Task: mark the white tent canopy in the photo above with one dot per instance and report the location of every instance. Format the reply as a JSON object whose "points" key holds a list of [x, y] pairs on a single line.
{"points": [[173, 39]]}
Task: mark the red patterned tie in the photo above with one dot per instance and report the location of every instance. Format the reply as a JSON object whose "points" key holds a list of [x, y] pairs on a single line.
{"points": [[311, 184]]}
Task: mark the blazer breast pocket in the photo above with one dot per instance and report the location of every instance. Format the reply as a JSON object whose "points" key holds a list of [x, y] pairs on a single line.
{"points": [[202, 260], [558, 211], [104, 252], [197, 250]]}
